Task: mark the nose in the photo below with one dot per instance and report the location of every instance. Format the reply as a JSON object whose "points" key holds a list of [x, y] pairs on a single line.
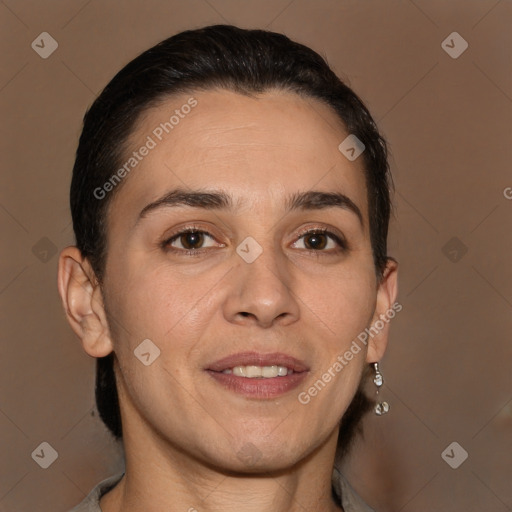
{"points": [[260, 293]]}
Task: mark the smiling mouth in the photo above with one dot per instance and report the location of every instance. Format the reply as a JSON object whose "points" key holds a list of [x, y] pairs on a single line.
{"points": [[258, 376]]}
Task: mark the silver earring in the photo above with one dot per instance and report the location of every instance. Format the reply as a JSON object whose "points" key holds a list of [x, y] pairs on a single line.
{"points": [[380, 407]]}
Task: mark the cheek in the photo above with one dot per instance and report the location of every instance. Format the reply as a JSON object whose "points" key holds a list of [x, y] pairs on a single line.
{"points": [[164, 305], [343, 303], [343, 306], [167, 308]]}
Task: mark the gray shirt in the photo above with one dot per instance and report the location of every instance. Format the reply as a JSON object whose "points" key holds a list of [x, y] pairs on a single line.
{"points": [[350, 500]]}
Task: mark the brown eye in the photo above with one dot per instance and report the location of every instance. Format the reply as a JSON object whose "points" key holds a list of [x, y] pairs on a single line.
{"points": [[321, 241], [315, 241], [189, 240], [192, 240]]}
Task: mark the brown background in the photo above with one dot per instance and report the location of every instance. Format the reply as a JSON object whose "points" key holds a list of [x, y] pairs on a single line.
{"points": [[448, 370]]}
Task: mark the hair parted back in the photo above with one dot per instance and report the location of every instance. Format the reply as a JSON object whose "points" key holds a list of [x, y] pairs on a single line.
{"points": [[248, 62]]}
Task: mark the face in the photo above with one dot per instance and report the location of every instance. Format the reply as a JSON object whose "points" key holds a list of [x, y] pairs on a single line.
{"points": [[272, 269]]}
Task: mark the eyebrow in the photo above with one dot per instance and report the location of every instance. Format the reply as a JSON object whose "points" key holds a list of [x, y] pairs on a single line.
{"points": [[219, 200]]}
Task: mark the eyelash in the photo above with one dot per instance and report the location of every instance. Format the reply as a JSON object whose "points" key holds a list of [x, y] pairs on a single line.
{"points": [[342, 244]]}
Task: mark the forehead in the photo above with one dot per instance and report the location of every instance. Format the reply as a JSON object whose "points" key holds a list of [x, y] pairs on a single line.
{"points": [[260, 149]]}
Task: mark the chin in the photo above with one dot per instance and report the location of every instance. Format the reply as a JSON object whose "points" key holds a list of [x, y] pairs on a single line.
{"points": [[253, 456], [249, 460]]}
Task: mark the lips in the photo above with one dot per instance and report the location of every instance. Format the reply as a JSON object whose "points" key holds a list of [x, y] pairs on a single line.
{"points": [[256, 359], [258, 387]]}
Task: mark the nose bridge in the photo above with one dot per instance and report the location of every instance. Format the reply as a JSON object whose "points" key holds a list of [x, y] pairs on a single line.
{"points": [[268, 266], [263, 284]]}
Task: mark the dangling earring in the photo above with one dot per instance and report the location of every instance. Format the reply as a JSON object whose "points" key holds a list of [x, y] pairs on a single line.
{"points": [[380, 407]]}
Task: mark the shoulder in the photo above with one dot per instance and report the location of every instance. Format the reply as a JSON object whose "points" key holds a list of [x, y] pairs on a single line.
{"points": [[92, 501], [350, 500]]}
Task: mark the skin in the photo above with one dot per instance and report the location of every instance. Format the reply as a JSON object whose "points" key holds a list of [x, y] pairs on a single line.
{"points": [[183, 432]]}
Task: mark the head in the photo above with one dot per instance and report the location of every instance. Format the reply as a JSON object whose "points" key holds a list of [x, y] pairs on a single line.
{"points": [[241, 130]]}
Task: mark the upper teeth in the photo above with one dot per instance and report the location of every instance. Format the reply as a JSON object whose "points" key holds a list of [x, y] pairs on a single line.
{"points": [[259, 371]]}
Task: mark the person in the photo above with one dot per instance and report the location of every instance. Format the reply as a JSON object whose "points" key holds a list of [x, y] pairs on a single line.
{"points": [[230, 202]]}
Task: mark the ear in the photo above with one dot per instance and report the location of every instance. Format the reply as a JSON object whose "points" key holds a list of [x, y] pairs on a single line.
{"points": [[385, 309], [82, 300]]}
